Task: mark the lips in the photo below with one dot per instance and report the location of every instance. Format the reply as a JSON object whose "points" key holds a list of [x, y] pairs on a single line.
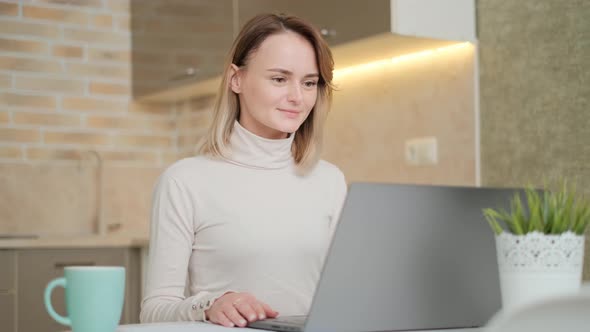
{"points": [[290, 113]]}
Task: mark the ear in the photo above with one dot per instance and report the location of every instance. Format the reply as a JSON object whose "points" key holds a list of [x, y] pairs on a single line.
{"points": [[235, 78]]}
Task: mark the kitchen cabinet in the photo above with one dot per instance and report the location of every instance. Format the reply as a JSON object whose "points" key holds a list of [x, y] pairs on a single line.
{"points": [[356, 31], [174, 46], [21, 295], [173, 42], [7, 290], [338, 21], [345, 21], [7, 262], [7, 313]]}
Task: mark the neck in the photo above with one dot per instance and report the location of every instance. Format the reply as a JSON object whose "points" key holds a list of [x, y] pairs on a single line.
{"points": [[261, 130], [251, 150]]}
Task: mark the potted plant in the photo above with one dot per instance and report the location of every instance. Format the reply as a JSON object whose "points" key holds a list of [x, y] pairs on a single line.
{"points": [[540, 244]]}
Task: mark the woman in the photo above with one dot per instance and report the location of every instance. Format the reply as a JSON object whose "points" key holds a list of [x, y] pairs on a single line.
{"points": [[246, 224]]}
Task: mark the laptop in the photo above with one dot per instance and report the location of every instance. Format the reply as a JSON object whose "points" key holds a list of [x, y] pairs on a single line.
{"points": [[406, 257]]}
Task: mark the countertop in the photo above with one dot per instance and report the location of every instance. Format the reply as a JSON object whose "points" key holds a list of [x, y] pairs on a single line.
{"points": [[76, 241]]}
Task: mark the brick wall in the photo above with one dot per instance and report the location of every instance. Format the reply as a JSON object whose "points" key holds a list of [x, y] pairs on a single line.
{"points": [[65, 82], [65, 90]]}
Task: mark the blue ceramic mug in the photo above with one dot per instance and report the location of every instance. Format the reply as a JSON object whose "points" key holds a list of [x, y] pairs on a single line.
{"points": [[94, 297]]}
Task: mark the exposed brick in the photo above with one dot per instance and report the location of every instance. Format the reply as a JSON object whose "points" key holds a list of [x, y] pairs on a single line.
{"points": [[46, 119], [185, 153], [115, 122], [5, 81], [24, 46], [120, 6], [109, 88], [76, 138], [102, 21], [22, 100], [10, 152], [70, 3], [4, 117], [93, 104], [49, 84], [123, 23], [34, 153], [156, 109], [68, 51], [96, 37], [96, 54], [48, 31], [92, 70], [199, 120], [8, 9], [23, 64], [58, 15], [143, 141], [168, 157], [19, 135], [116, 156], [190, 140], [166, 125]]}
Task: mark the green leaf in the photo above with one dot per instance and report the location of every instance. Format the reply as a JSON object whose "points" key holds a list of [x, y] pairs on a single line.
{"points": [[518, 219], [550, 212], [492, 218]]}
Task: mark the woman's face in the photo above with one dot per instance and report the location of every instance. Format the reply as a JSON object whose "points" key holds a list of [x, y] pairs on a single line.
{"points": [[278, 86]]}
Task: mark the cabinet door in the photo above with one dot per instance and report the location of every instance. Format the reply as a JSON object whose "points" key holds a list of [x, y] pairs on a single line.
{"points": [[133, 287], [7, 312], [178, 42], [340, 21], [7, 271], [36, 268]]}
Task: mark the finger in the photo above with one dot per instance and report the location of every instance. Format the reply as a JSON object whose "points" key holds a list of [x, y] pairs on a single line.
{"points": [[268, 310], [232, 313], [246, 310], [221, 319], [257, 306]]}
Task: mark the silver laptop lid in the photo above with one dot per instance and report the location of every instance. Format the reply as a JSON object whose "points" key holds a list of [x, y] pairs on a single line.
{"points": [[410, 257]]}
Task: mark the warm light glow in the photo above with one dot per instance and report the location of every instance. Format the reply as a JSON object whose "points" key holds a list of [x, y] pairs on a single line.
{"points": [[338, 73]]}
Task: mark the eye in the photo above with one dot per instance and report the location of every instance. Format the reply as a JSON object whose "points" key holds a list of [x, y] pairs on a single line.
{"points": [[310, 84], [278, 79]]}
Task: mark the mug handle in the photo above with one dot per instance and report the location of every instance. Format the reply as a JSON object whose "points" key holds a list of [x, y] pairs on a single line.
{"points": [[52, 284]]}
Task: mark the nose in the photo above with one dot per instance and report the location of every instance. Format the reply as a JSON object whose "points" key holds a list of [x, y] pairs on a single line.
{"points": [[295, 95]]}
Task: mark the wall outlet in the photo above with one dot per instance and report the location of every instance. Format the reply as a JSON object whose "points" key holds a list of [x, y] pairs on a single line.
{"points": [[422, 151]]}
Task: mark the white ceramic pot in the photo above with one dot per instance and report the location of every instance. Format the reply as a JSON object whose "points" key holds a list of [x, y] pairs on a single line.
{"points": [[536, 266]]}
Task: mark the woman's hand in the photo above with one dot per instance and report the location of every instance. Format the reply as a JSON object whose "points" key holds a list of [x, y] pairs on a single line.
{"points": [[237, 309]]}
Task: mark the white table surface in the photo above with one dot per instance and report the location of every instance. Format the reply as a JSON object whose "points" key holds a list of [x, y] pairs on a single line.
{"points": [[206, 327]]}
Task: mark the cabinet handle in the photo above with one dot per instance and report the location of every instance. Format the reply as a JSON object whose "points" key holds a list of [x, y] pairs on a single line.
{"points": [[62, 265], [188, 73], [327, 33]]}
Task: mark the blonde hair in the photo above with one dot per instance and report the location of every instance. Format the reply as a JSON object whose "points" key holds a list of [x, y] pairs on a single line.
{"points": [[307, 144]]}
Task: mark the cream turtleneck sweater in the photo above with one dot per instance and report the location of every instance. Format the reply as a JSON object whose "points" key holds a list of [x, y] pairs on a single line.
{"points": [[248, 223]]}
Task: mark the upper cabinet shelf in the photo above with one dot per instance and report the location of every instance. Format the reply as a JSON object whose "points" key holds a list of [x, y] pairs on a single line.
{"points": [[179, 47]]}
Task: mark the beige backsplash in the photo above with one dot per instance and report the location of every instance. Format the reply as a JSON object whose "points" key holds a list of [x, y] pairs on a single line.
{"points": [[54, 199], [47, 199], [376, 112]]}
